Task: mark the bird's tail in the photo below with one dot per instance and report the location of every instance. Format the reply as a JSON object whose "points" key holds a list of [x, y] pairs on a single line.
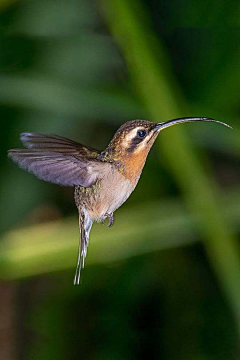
{"points": [[85, 225]]}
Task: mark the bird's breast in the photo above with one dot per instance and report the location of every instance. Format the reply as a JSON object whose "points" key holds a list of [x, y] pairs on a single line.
{"points": [[107, 195]]}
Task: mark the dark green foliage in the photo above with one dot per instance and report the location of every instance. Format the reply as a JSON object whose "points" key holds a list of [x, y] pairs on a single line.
{"points": [[163, 283]]}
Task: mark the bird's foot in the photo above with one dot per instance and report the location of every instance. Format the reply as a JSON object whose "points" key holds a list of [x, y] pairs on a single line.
{"points": [[110, 219]]}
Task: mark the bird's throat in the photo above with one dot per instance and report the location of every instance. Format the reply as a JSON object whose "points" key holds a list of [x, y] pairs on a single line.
{"points": [[129, 164]]}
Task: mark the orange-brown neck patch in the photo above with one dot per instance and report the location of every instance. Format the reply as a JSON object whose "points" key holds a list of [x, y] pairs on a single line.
{"points": [[133, 165]]}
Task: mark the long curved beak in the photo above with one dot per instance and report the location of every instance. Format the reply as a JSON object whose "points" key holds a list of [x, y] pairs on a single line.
{"points": [[166, 124]]}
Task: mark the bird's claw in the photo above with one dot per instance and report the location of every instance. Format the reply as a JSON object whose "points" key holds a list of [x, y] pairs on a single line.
{"points": [[110, 219]]}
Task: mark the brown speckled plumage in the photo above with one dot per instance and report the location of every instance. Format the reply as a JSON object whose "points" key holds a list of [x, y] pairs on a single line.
{"points": [[103, 180]]}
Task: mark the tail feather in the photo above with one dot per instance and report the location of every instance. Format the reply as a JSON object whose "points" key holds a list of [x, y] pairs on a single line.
{"points": [[85, 225]]}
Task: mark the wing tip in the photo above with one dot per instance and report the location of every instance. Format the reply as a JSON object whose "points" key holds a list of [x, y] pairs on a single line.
{"points": [[11, 152], [25, 135], [27, 138]]}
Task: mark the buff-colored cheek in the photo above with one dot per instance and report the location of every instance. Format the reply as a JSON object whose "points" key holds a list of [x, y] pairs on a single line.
{"points": [[144, 145], [141, 147]]}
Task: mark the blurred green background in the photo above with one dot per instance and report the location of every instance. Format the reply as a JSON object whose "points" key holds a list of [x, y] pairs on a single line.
{"points": [[164, 281]]}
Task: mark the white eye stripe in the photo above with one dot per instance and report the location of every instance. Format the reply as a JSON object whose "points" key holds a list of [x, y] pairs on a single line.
{"points": [[133, 134]]}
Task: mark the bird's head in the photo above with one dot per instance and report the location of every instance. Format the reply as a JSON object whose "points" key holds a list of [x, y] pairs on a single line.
{"points": [[133, 140], [138, 136]]}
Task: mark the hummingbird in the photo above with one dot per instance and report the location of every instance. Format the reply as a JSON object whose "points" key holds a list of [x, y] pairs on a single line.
{"points": [[102, 180]]}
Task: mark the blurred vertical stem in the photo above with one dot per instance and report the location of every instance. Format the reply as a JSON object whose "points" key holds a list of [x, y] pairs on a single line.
{"points": [[153, 79]]}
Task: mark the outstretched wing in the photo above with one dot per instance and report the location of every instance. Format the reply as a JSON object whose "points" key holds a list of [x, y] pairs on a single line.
{"points": [[57, 159]]}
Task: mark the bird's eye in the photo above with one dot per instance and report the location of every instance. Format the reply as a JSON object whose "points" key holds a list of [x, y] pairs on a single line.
{"points": [[141, 133]]}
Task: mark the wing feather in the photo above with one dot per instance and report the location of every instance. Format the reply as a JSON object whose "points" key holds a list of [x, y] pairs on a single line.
{"points": [[57, 159], [56, 143]]}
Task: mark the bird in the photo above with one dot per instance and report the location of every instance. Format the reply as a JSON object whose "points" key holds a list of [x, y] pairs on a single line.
{"points": [[102, 180]]}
